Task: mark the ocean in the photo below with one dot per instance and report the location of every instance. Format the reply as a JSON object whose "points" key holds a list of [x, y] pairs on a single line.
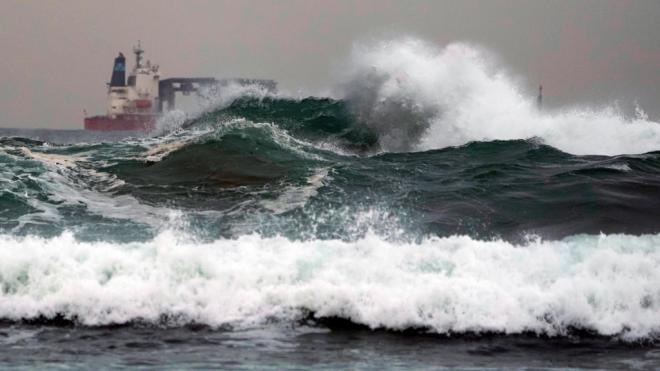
{"points": [[428, 216]]}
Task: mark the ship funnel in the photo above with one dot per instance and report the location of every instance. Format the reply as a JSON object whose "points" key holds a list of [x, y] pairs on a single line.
{"points": [[119, 71]]}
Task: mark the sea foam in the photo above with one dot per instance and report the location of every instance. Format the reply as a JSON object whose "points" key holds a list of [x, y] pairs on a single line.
{"points": [[607, 284], [416, 96]]}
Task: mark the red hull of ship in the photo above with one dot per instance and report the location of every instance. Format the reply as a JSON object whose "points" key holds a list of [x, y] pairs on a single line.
{"points": [[121, 122]]}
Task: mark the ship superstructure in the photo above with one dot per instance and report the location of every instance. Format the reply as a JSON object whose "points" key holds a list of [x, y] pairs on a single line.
{"points": [[138, 95], [136, 102], [132, 104]]}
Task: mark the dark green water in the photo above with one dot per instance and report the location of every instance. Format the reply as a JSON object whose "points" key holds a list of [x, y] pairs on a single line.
{"points": [[306, 169], [219, 242]]}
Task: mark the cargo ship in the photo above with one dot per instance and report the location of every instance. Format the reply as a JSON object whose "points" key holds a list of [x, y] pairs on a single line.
{"points": [[135, 103]]}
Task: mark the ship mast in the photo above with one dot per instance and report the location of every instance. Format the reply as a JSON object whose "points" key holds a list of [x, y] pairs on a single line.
{"points": [[138, 55]]}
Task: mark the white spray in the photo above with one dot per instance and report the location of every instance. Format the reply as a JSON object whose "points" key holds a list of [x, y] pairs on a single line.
{"points": [[608, 284], [417, 97]]}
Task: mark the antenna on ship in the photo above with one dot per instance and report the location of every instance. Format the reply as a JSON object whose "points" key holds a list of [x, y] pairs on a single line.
{"points": [[539, 99], [138, 54]]}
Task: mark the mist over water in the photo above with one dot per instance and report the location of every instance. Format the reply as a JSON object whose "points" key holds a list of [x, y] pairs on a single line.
{"points": [[433, 196]]}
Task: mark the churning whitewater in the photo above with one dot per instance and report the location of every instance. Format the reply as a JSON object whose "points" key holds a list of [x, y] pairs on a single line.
{"points": [[430, 193], [451, 284]]}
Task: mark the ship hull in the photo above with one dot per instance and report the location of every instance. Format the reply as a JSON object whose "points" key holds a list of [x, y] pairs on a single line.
{"points": [[144, 123]]}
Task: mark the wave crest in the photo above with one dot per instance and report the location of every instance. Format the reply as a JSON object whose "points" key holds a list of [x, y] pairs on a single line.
{"points": [[417, 97]]}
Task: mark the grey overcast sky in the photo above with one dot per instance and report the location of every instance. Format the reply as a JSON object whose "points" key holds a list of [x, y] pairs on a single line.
{"points": [[56, 56]]}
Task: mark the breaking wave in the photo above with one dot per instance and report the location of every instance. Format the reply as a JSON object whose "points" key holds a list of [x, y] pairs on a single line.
{"points": [[417, 97], [407, 204], [606, 284]]}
